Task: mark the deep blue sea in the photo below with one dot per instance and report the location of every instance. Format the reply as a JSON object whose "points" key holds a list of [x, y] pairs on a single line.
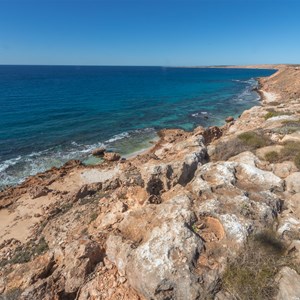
{"points": [[51, 114]]}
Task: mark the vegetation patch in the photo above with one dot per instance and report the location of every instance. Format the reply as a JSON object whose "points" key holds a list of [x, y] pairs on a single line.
{"points": [[272, 114], [93, 217], [272, 156], [290, 152], [25, 253], [248, 141], [297, 160], [253, 139], [252, 274]]}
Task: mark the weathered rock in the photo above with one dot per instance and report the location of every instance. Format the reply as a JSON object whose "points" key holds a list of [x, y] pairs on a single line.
{"points": [[99, 151], [212, 133], [248, 158], [158, 261], [289, 284], [293, 183], [229, 119], [293, 137], [284, 169], [111, 156], [218, 174], [38, 191], [258, 179], [261, 152]]}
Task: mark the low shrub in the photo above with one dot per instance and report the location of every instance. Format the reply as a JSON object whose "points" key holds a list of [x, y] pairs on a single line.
{"points": [[297, 160], [253, 139], [26, 252], [290, 150], [272, 114], [252, 274], [272, 156], [247, 141]]}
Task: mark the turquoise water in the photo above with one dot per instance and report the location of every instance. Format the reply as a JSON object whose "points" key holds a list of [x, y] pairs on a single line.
{"points": [[50, 114]]}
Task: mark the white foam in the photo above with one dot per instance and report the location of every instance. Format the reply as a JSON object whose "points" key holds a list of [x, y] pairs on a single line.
{"points": [[118, 137], [8, 163]]}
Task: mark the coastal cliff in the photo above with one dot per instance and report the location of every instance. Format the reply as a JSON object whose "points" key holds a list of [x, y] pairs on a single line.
{"points": [[208, 214]]}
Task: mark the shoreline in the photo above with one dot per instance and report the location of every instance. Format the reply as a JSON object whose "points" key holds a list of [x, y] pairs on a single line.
{"points": [[204, 192], [91, 161]]}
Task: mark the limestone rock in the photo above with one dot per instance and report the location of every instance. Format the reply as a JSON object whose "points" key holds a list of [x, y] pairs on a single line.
{"points": [[258, 179], [293, 183], [38, 191], [99, 151], [293, 137], [158, 262], [229, 119], [111, 156], [284, 169], [289, 284]]}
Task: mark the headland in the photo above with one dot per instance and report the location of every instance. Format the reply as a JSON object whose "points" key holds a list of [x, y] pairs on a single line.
{"points": [[208, 214]]}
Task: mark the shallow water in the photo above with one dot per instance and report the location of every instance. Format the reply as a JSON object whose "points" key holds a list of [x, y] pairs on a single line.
{"points": [[50, 114]]}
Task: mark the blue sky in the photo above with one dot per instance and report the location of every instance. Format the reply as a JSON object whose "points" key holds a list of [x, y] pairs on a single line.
{"points": [[149, 32]]}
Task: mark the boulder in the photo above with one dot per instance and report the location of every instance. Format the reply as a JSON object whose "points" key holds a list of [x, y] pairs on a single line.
{"points": [[99, 151], [157, 250], [258, 179], [284, 169], [293, 183], [289, 284], [111, 156], [229, 119]]}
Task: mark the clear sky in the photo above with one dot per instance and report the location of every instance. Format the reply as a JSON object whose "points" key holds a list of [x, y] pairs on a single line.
{"points": [[149, 32]]}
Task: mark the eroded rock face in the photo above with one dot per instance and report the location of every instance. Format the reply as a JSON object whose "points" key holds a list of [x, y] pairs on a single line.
{"points": [[159, 226], [158, 261], [175, 164]]}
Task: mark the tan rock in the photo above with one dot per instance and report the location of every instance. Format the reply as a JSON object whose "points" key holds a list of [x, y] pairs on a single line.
{"points": [[284, 169], [99, 151], [294, 137], [289, 284], [293, 183], [229, 119], [111, 156], [38, 191], [261, 152]]}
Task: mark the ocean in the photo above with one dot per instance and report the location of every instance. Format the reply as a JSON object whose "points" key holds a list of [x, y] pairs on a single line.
{"points": [[51, 114]]}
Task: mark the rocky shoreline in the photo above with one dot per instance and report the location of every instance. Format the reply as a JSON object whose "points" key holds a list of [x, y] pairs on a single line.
{"points": [[178, 222]]}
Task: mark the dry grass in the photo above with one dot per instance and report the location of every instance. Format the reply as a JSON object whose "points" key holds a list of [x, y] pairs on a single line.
{"points": [[290, 152], [251, 276], [248, 141], [272, 156]]}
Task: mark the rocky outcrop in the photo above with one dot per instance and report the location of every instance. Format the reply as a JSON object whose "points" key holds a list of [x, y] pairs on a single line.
{"points": [[165, 224], [157, 250]]}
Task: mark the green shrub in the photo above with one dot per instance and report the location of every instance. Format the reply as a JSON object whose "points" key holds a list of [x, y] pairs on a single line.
{"points": [[26, 252], [272, 156], [247, 141], [252, 274], [272, 114], [253, 139], [290, 150], [93, 216]]}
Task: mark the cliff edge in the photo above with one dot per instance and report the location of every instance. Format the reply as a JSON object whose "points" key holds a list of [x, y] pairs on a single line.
{"points": [[208, 214]]}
